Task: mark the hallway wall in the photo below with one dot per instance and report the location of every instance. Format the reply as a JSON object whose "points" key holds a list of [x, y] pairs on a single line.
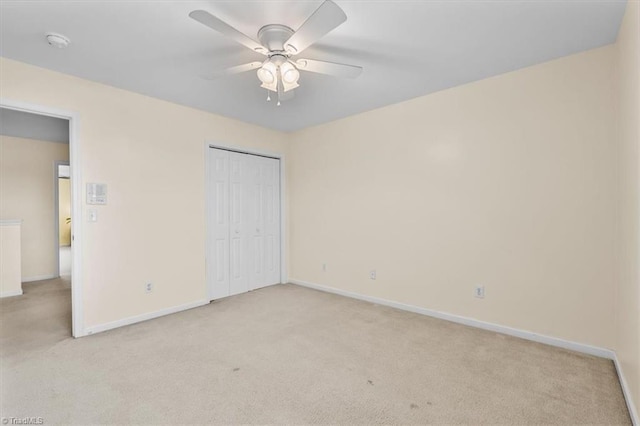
{"points": [[27, 183]]}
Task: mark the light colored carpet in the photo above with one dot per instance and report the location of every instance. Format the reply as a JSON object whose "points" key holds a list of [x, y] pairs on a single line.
{"points": [[287, 354]]}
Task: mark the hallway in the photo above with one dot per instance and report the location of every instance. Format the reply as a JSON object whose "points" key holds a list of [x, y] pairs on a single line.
{"points": [[43, 313], [65, 261]]}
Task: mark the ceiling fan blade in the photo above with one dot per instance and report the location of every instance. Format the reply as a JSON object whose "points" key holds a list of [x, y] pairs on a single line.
{"points": [[222, 27], [329, 68], [327, 17], [233, 70]]}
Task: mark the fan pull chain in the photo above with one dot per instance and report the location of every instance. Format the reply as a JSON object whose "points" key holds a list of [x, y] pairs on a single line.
{"points": [[278, 104], [268, 96]]}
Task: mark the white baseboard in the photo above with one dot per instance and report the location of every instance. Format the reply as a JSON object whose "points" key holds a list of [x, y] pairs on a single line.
{"points": [[627, 393], [144, 317], [11, 293], [523, 334], [39, 278]]}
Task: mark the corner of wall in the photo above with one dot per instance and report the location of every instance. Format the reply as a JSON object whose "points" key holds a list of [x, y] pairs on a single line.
{"points": [[627, 143]]}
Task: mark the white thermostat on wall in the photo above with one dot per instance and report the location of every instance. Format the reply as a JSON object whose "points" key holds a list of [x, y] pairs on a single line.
{"points": [[96, 193]]}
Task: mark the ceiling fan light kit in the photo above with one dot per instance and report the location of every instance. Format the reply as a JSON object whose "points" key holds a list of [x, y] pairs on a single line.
{"points": [[267, 74], [279, 73], [290, 74]]}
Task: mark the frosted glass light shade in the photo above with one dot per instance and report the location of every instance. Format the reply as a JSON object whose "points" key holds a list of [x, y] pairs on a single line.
{"points": [[290, 74]]}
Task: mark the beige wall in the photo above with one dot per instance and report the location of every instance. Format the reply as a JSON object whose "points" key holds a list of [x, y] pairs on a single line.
{"points": [[10, 273], [150, 153], [628, 294], [507, 182], [27, 185], [64, 211]]}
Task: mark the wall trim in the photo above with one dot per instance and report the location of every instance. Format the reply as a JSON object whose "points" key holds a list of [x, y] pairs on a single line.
{"points": [[633, 412], [523, 334], [56, 210], [10, 222], [144, 317], [11, 293], [39, 278]]}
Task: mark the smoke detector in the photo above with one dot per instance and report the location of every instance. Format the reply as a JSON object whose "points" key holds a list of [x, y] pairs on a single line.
{"points": [[57, 40]]}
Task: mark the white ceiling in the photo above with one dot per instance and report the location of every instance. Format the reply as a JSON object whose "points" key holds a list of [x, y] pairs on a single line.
{"points": [[407, 48]]}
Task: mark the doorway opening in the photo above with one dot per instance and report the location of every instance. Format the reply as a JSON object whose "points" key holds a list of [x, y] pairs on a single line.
{"points": [[39, 200]]}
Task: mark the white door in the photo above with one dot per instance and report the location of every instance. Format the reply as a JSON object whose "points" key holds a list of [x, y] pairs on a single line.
{"points": [[238, 203], [218, 229], [256, 208], [265, 222], [270, 226], [244, 236]]}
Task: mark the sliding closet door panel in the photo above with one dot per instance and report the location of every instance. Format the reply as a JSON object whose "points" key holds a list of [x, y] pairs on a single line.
{"points": [[255, 212], [238, 202], [271, 221], [218, 229], [266, 220]]}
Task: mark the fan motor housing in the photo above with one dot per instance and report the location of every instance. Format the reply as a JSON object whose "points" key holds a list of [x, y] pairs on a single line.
{"points": [[273, 37]]}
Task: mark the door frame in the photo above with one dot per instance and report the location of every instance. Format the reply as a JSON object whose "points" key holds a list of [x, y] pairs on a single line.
{"points": [[56, 218], [77, 317], [208, 210]]}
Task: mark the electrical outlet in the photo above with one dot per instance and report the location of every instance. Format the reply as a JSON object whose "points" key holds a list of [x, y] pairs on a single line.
{"points": [[479, 292], [372, 274], [324, 267], [148, 287]]}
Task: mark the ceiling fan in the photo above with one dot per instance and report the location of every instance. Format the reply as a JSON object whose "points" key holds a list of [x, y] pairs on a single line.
{"points": [[279, 73]]}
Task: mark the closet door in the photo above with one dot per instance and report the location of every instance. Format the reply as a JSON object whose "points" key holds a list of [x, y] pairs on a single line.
{"points": [[256, 207], [270, 226], [265, 222], [218, 229], [244, 223], [239, 201]]}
